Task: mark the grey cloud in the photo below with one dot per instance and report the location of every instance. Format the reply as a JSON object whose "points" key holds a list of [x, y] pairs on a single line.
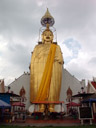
{"points": [[19, 18], [92, 61], [79, 71], [16, 60], [74, 13], [20, 23], [18, 55]]}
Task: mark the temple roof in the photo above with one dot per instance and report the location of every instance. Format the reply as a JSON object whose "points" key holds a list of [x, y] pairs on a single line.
{"points": [[22, 91], [69, 91], [1, 81], [94, 84]]}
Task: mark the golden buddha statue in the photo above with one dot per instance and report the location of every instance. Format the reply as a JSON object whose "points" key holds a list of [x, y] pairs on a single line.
{"points": [[46, 68]]}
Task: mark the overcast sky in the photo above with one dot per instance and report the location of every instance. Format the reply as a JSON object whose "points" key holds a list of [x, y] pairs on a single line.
{"points": [[75, 22]]}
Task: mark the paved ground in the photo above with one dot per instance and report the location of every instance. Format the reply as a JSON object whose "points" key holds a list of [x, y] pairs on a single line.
{"points": [[57, 122]]}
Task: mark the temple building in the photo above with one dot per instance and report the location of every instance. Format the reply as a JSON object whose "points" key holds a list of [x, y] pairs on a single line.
{"points": [[2, 89], [48, 80], [91, 87], [68, 81]]}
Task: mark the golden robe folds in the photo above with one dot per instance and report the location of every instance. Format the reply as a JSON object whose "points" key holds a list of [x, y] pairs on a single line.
{"points": [[38, 61]]}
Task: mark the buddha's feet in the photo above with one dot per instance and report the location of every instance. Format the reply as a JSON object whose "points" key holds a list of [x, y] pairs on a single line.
{"points": [[41, 108], [51, 108]]}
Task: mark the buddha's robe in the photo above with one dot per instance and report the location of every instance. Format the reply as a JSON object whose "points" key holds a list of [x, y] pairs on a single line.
{"points": [[38, 61]]}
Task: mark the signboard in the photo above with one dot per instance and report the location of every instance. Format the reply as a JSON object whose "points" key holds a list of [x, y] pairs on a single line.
{"points": [[5, 97], [85, 113]]}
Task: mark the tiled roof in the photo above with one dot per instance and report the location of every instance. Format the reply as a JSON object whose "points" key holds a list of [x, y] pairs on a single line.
{"points": [[2, 86], [69, 91], [94, 84], [1, 80]]}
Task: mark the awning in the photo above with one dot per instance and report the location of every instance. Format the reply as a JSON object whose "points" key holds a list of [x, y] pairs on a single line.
{"points": [[89, 100], [93, 96], [82, 95], [72, 104], [11, 94], [18, 104], [4, 104]]}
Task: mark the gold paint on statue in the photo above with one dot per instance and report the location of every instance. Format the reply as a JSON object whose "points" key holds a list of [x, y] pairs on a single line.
{"points": [[39, 62], [47, 15], [44, 88], [47, 19]]}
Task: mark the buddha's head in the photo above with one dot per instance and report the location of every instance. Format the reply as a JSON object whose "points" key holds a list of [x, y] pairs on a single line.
{"points": [[47, 36]]}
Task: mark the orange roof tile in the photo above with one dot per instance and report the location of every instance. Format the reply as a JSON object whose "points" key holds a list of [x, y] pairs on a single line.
{"points": [[94, 84]]}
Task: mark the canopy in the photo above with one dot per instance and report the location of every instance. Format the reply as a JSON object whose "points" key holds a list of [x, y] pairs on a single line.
{"points": [[18, 104], [72, 104], [82, 95], [93, 96], [10, 94], [89, 100], [4, 104]]}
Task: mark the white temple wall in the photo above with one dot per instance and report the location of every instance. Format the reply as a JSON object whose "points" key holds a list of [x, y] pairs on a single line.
{"points": [[23, 80], [67, 81]]}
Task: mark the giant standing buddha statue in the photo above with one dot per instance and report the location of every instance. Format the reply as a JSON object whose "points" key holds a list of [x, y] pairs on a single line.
{"points": [[46, 67]]}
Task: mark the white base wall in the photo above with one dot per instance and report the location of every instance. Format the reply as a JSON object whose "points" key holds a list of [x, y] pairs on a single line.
{"points": [[23, 80], [67, 81]]}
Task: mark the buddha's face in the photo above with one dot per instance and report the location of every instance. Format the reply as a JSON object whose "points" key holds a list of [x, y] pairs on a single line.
{"points": [[47, 36]]}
